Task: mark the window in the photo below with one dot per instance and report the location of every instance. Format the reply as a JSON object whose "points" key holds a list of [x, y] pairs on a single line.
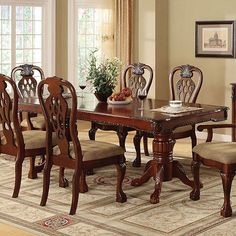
{"points": [[91, 26], [24, 35]]}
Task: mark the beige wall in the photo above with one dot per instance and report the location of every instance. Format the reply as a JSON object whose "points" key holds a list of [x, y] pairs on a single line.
{"points": [[218, 72], [146, 43], [61, 38]]}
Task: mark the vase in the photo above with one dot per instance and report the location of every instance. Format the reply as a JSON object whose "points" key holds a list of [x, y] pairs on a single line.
{"points": [[101, 97]]}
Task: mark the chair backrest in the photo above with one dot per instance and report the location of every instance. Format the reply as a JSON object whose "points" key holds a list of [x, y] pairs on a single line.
{"points": [[137, 76], [60, 114], [24, 76], [11, 135], [185, 83]]}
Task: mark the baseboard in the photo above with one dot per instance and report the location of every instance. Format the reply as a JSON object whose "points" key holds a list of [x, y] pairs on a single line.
{"points": [[216, 137]]}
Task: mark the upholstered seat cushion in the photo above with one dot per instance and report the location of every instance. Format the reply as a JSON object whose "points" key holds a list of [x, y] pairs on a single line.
{"points": [[183, 129], [224, 152], [33, 139], [93, 150], [38, 122]]}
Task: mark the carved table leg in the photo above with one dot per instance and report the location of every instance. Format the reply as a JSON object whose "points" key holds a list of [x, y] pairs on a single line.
{"points": [[160, 168], [179, 172], [148, 173]]}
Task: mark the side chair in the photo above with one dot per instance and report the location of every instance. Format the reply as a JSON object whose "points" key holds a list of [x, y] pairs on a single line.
{"points": [[136, 76], [185, 82], [219, 155], [25, 78], [80, 155], [14, 141]]}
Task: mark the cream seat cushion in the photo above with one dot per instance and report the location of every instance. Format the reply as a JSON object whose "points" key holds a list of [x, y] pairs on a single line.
{"points": [[183, 129], [94, 150], [33, 139], [38, 122], [224, 152]]}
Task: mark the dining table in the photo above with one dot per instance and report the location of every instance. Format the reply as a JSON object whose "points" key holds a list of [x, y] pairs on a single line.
{"points": [[155, 119]]}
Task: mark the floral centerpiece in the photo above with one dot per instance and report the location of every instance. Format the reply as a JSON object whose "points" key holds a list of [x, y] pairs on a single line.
{"points": [[103, 76]]}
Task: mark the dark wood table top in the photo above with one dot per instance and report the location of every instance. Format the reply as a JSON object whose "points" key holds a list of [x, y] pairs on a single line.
{"points": [[90, 109]]}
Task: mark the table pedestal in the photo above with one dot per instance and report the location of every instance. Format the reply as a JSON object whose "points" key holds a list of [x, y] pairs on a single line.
{"points": [[162, 168]]}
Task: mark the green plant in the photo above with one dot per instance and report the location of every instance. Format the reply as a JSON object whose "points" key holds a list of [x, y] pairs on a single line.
{"points": [[103, 76]]}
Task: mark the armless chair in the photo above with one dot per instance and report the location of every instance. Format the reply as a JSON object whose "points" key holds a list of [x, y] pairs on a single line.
{"points": [[219, 155], [24, 76], [14, 141], [185, 83], [136, 76], [60, 114]]}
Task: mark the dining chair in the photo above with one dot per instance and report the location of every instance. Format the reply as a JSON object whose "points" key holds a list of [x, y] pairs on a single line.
{"points": [[25, 78], [14, 141], [135, 77], [60, 113], [185, 82], [219, 155]]}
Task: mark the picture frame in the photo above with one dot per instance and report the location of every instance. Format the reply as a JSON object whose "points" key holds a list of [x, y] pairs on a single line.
{"points": [[215, 39]]}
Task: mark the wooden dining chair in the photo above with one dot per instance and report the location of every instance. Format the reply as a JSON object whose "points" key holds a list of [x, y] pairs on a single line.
{"points": [[219, 155], [136, 76], [14, 141], [60, 113], [185, 82], [25, 78]]}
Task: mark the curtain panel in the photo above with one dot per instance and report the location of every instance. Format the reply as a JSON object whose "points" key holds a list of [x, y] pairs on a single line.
{"points": [[124, 30]]}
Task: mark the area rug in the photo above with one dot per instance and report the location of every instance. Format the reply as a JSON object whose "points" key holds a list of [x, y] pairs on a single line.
{"points": [[99, 214]]}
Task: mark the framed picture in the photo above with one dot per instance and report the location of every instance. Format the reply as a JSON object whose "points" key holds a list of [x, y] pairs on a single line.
{"points": [[215, 39]]}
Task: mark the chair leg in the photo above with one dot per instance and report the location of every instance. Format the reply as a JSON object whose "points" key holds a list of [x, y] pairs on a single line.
{"points": [[195, 194], [121, 169], [136, 140], [83, 187], [46, 183], [35, 169], [18, 174], [75, 192], [145, 145], [122, 134], [32, 174], [193, 139], [63, 182], [227, 178], [92, 131]]}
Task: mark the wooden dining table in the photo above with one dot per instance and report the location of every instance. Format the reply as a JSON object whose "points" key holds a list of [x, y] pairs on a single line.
{"points": [[162, 167]]}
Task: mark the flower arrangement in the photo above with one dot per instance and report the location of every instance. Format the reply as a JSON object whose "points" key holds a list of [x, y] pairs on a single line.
{"points": [[103, 76]]}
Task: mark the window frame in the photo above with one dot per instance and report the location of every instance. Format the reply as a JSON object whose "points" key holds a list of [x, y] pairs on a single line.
{"points": [[72, 30], [48, 30]]}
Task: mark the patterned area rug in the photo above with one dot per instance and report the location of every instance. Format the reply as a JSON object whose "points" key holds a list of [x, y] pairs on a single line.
{"points": [[99, 214]]}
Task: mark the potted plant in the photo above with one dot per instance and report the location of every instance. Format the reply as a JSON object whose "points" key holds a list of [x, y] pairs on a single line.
{"points": [[103, 76]]}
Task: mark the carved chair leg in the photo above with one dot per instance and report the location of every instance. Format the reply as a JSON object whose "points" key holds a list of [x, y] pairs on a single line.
{"points": [[227, 178], [122, 134], [195, 194], [18, 174], [121, 169], [92, 131], [136, 140], [46, 183], [145, 145], [75, 192]]}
